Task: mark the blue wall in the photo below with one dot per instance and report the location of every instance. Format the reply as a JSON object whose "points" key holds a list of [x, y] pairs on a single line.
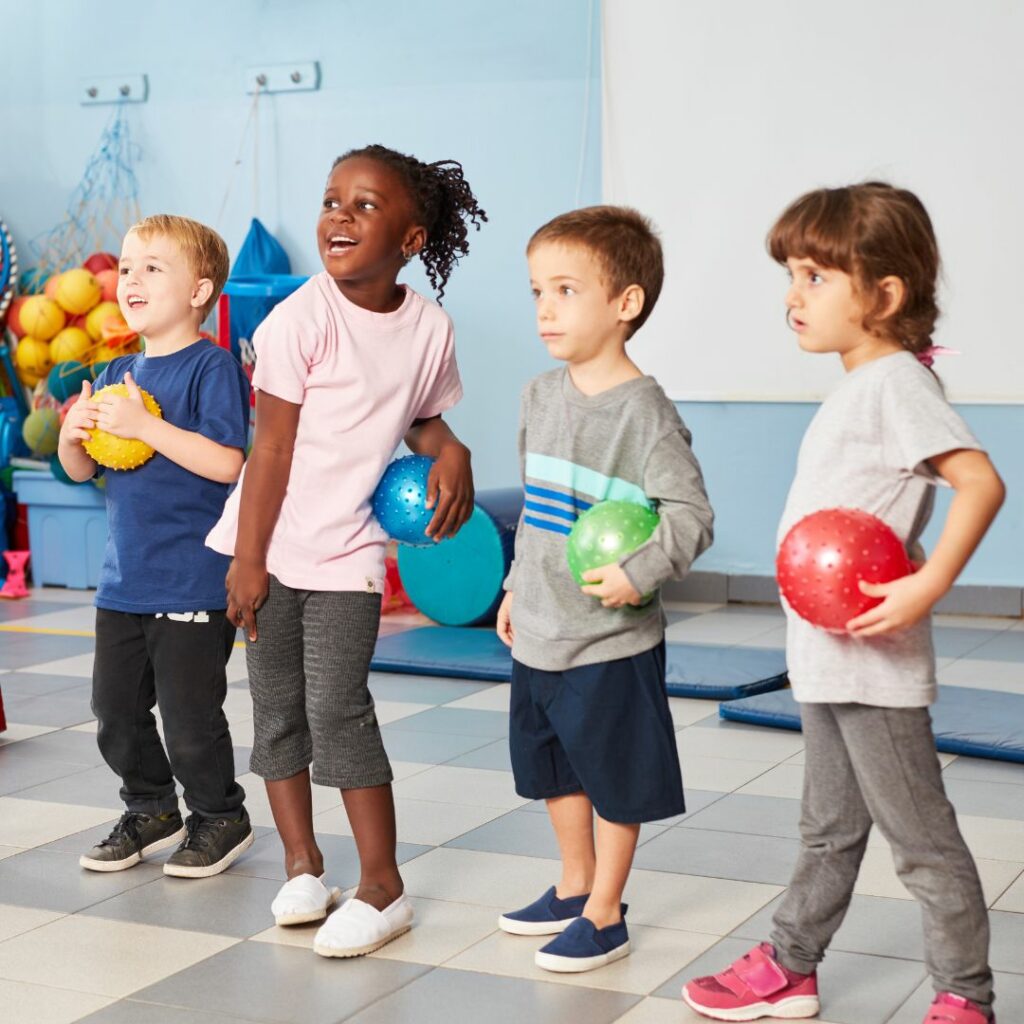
{"points": [[748, 451], [500, 87]]}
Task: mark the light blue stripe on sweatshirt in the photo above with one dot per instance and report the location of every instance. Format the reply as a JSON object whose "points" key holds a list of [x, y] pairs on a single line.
{"points": [[563, 473]]}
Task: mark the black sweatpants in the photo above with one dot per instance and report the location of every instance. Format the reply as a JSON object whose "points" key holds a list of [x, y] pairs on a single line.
{"points": [[178, 664]]}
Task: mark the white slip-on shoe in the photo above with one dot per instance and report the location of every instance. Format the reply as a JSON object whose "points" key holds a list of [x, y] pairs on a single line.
{"points": [[357, 928], [302, 899]]}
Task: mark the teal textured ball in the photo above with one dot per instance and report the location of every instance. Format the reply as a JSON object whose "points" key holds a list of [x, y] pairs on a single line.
{"points": [[606, 533], [66, 379]]}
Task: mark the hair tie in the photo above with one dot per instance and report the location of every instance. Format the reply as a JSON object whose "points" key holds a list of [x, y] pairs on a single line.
{"points": [[927, 355]]}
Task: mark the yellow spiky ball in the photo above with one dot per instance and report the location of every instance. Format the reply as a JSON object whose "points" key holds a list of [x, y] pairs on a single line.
{"points": [[120, 452]]}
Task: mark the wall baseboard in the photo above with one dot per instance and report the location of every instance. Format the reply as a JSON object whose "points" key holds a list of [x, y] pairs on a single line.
{"points": [[722, 588]]}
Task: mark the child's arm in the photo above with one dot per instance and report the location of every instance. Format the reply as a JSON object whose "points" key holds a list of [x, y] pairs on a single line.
{"points": [[673, 481], [81, 418], [450, 484], [128, 417], [979, 494], [263, 491]]}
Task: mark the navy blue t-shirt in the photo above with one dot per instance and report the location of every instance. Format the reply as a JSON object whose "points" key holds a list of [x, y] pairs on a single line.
{"points": [[159, 514]]}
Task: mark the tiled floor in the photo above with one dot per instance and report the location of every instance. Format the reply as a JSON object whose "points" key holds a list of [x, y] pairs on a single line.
{"points": [[142, 948]]}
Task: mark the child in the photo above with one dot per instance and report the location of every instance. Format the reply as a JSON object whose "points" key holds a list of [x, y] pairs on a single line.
{"points": [[347, 367], [162, 635], [590, 723], [863, 263]]}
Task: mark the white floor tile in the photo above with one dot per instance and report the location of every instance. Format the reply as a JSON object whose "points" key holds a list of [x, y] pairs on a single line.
{"points": [[79, 666], [29, 823], [717, 774], [687, 710], [744, 742], [478, 787], [395, 710], [494, 698], [18, 920], [1013, 898], [976, 674], [41, 1004], [15, 732], [258, 806], [785, 780], [80, 619], [111, 958]]}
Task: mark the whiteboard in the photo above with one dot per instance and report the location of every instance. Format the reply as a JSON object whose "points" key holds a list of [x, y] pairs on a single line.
{"points": [[717, 115]]}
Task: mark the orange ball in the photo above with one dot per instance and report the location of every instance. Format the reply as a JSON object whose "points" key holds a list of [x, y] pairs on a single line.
{"points": [[50, 288], [97, 317], [14, 315], [108, 284]]}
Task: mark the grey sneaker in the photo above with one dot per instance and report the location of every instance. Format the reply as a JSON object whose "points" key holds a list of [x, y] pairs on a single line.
{"points": [[135, 836], [211, 846]]}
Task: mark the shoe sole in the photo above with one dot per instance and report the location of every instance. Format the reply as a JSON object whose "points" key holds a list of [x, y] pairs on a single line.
{"points": [[514, 927], [130, 862], [794, 1008], [285, 920], [577, 965], [331, 951], [208, 870]]}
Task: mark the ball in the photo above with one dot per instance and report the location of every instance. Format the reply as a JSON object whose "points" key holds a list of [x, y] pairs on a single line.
{"points": [[14, 315], [65, 379], [108, 285], [120, 452], [77, 290], [71, 343], [41, 431], [606, 533], [41, 317], [99, 316], [32, 359], [100, 261], [826, 554], [50, 288], [400, 500]]}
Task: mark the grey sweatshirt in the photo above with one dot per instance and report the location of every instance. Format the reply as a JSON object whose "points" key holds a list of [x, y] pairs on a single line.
{"points": [[629, 444]]}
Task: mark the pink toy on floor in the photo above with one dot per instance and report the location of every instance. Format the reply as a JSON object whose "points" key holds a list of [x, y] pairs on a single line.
{"points": [[14, 587]]}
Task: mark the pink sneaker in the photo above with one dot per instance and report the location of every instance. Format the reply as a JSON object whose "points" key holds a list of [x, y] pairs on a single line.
{"points": [[951, 1009], [757, 985]]}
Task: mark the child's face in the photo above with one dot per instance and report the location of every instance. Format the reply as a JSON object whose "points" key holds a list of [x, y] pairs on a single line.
{"points": [[156, 287], [367, 223], [823, 308], [576, 317]]}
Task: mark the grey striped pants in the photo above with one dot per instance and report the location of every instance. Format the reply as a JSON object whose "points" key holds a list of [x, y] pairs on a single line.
{"points": [[308, 674]]}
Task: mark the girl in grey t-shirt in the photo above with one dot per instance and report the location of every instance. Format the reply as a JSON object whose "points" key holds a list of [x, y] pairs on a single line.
{"points": [[863, 263]]}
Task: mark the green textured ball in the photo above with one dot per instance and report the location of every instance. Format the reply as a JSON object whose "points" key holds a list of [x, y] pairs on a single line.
{"points": [[41, 431], [606, 533]]}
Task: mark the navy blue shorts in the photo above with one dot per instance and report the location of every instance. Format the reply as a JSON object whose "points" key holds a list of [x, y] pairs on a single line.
{"points": [[603, 730]]}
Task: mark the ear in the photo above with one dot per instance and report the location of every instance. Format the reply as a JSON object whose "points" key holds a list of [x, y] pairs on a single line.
{"points": [[893, 294], [202, 292], [413, 241], [631, 303]]}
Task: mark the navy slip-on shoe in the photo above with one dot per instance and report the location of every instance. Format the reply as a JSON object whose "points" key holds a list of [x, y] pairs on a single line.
{"points": [[583, 946], [547, 916]]}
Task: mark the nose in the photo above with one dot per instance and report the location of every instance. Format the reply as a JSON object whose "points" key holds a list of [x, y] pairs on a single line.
{"points": [[793, 297], [545, 311]]}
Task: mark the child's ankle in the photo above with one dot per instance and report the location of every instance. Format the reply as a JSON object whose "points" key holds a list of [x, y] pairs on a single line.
{"points": [[380, 892], [603, 915], [574, 885], [304, 864]]}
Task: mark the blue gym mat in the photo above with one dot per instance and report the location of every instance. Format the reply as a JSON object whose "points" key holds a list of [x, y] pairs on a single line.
{"points": [[692, 670], [979, 723]]}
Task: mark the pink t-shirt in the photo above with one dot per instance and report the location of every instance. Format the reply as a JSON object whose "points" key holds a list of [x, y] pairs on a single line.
{"points": [[361, 379]]}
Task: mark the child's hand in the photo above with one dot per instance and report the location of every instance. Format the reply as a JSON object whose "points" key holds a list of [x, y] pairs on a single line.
{"points": [[905, 601], [248, 584], [81, 417], [611, 584], [450, 488], [504, 628], [123, 417]]}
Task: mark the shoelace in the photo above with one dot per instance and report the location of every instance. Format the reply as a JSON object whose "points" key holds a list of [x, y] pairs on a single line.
{"points": [[127, 827], [200, 832]]}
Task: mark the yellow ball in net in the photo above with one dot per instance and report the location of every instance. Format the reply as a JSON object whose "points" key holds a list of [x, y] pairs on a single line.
{"points": [[120, 452]]}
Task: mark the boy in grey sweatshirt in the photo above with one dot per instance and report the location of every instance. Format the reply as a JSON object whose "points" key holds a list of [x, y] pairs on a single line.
{"points": [[590, 725]]}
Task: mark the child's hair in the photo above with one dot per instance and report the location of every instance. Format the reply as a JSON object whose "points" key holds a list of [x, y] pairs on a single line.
{"points": [[869, 231], [444, 201], [623, 242], [204, 249]]}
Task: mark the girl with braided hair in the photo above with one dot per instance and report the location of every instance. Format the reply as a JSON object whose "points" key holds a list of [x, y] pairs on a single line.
{"points": [[347, 367]]}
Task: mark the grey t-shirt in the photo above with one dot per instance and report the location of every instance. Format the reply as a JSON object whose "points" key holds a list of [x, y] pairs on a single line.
{"points": [[867, 448], [627, 443]]}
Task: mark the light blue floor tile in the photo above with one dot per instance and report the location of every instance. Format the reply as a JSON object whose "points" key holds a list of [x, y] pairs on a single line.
{"points": [[1007, 942], [495, 756], [978, 769], [88, 787], [36, 684], [269, 982], [69, 707], [422, 689], [961, 642], [987, 799], [64, 745], [1005, 646], [446, 996], [25, 773], [427, 747], [752, 815], [458, 722]]}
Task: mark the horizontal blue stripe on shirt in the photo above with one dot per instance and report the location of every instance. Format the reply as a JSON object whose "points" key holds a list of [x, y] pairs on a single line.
{"points": [[550, 510], [567, 499], [543, 524]]}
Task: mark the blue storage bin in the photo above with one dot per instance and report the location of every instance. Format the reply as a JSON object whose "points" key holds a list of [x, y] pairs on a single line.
{"points": [[67, 529]]}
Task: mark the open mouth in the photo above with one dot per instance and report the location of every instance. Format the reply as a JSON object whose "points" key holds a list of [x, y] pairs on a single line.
{"points": [[135, 302], [340, 243]]}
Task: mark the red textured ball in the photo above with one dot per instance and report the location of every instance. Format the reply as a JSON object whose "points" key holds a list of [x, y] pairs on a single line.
{"points": [[100, 261], [826, 554]]}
